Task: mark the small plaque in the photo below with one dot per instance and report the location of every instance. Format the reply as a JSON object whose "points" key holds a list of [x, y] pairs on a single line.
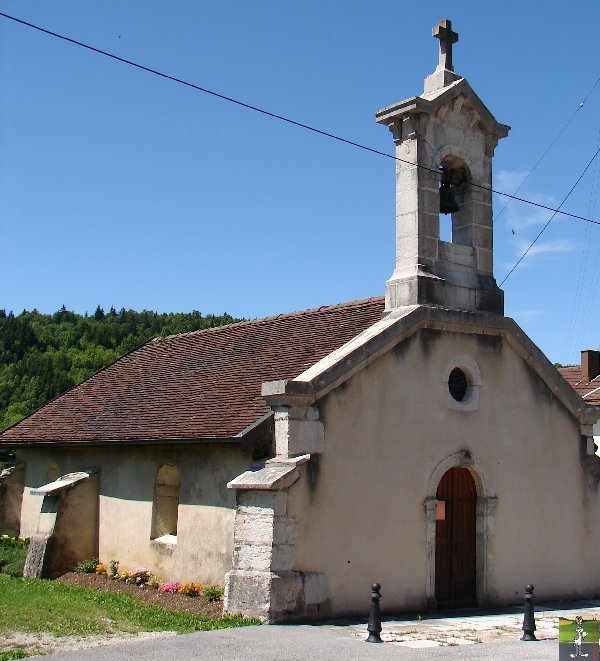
{"points": [[440, 510]]}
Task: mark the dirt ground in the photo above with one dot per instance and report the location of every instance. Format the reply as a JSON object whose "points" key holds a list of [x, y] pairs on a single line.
{"points": [[174, 602], [33, 644]]}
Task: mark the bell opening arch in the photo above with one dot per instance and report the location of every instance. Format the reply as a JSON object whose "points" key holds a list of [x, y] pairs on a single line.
{"points": [[457, 218]]}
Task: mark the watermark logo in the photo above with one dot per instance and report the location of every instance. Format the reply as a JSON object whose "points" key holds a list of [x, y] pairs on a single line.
{"points": [[578, 639]]}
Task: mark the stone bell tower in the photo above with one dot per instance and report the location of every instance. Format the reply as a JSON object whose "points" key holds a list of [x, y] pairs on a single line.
{"points": [[445, 141]]}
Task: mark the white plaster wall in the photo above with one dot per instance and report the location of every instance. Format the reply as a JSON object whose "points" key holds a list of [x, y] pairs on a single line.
{"points": [[206, 508], [360, 504]]}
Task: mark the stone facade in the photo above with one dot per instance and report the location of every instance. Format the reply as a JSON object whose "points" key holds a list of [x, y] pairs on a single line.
{"points": [[313, 532], [123, 502]]}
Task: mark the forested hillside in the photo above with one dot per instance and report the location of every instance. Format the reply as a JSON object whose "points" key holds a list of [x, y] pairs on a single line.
{"points": [[41, 355]]}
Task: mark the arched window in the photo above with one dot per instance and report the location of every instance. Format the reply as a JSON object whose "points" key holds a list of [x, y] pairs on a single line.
{"points": [[166, 501]]}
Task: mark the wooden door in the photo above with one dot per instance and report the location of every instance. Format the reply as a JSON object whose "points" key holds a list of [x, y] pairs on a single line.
{"points": [[455, 584]]}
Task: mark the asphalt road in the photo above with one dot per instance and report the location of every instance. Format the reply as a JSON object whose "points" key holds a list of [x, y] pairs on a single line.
{"points": [[302, 643]]}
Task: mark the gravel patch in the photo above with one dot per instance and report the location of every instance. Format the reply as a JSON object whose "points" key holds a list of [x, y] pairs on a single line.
{"points": [[35, 644]]}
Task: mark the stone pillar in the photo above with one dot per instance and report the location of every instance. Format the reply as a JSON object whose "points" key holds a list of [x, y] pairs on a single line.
{"points": [[263, 583], [486, 528], [298, 431], [430, 509], [417, 214]]}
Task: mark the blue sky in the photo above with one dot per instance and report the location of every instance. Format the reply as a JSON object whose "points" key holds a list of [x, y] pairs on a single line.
{"points": [[121, 188]]}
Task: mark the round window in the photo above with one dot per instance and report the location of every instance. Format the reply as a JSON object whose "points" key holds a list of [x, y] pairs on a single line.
{"points": [[458, 384]]}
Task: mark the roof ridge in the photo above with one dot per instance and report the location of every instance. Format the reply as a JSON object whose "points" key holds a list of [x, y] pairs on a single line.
{"points": [[258, 320]]}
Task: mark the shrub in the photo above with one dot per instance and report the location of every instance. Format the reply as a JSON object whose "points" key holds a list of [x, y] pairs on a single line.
{"points": [[213, 592], [113, 569], [87, 566], [13, 654], [13, 552]]}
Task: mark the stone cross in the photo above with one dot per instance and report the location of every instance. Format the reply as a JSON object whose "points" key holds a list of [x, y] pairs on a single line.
{"points": [[443, 32]]}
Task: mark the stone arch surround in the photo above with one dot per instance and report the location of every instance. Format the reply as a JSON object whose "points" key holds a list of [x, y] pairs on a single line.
{"points": [[485, 519]]}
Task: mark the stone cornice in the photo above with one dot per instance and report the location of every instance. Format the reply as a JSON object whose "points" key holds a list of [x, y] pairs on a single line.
{"points": [[430, 103], [336, 368]]}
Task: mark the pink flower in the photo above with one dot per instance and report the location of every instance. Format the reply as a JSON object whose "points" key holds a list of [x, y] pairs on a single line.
{"points": [[171, 586]]}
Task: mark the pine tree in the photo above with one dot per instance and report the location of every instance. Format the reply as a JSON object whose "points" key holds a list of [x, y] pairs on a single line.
{"points": [[43, 355]]}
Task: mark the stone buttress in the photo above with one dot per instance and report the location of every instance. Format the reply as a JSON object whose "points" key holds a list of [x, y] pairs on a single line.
{"points": [[263, 582]]}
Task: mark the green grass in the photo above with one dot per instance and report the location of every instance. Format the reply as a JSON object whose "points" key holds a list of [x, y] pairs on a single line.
{"points": [[12, 556], [33, 605], [16, 654]]}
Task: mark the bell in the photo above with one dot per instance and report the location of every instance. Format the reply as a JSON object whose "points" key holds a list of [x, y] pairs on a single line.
{"points": [[447, 200]]}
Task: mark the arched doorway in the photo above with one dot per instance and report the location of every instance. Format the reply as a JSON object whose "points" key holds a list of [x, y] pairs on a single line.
{"points": [[456, 540]]}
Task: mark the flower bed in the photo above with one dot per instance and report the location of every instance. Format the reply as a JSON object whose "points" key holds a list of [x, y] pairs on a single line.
{"points": [[173, 601], [140, 580]]}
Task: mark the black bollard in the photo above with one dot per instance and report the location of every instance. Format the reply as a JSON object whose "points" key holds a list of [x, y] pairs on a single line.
{"points": [[529, 618], [374, 627]]}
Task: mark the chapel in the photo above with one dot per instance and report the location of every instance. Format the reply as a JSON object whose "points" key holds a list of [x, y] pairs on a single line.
{"points": [[419, 439]]}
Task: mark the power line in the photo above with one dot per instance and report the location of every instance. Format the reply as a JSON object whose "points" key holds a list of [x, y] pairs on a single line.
{"points": [[276, 116], [583, 263], [207, 91], [556, 139], [522, 257], [593, 287]]}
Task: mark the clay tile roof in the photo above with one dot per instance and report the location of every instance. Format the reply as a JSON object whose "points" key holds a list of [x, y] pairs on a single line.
{"points": [[590, 391], [204, 384]]}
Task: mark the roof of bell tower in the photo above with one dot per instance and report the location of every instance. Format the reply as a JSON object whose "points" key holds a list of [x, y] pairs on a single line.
{"points": [[442, 88], [432, 102]]}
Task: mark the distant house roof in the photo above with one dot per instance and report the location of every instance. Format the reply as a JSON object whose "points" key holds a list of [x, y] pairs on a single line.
{"points": [[200, 385], [589, 390]]}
